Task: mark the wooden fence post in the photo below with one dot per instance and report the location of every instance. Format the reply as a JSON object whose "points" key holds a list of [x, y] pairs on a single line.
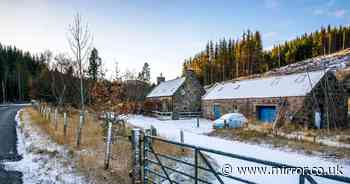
{"points": [[182, 139], [55, 118], [136, 144], [65, 124], [46, 113], [108, 144], [49, 114], [80, 127], [153, 131]]}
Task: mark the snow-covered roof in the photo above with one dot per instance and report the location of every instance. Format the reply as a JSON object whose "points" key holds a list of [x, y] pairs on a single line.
{"points": [[167, 88], [279, 86], [335, 61]]}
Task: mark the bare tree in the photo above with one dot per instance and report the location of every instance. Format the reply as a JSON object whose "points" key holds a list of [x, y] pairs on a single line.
{"points": [[80, 40], [117, 71], [129, 74], [59, 77]]}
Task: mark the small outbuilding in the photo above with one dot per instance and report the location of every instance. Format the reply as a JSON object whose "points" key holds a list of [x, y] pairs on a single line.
{"points": [[310, 98], [177, 95]]}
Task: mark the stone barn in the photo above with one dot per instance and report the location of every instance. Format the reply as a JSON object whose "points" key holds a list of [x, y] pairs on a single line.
{"points": [[311, 99], [177, 95]]}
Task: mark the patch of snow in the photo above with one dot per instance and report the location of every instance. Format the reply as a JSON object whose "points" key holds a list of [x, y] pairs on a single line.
{"points": [[167, 88], [292, 85], [43, 160], [333, 62], [170, 129]]}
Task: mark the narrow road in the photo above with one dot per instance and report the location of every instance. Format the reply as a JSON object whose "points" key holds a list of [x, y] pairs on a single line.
{"points": [[8, 144]]}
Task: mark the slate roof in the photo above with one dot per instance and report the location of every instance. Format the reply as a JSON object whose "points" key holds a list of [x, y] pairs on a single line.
{"points": [[277, 86], [166, 88]]}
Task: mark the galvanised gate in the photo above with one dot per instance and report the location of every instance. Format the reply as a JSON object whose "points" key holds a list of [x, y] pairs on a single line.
{"points": [[154, 166]]}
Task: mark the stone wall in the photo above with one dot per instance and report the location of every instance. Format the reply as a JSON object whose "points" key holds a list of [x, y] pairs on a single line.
{"points": [[331, 98], [188, 97], [163, 104], [248, 106]]}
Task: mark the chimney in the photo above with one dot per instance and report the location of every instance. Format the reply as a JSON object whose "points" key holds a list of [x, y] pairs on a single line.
{"points": [[160, 79], [189, 73]]}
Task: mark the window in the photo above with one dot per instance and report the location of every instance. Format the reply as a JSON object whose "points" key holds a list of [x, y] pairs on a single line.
{"points": [[235, 108]]}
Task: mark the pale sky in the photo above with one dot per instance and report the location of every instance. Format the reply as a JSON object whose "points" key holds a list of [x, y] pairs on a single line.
{"points": [[161, 32]]}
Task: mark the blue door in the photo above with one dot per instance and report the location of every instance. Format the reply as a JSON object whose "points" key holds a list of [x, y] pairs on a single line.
{"points": [[217, 112], [267, 113]]}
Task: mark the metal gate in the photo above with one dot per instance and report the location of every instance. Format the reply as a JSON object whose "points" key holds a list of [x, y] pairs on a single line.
{"points": [[156, 168]]}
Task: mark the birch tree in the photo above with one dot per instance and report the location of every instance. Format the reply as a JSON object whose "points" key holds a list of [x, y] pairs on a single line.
{"points": [[80, 39]]}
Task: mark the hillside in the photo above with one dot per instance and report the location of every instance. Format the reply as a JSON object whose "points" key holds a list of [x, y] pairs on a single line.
{"points": [[229, 59]]}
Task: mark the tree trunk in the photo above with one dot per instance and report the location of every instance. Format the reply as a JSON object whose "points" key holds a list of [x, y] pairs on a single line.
{"points": [[3, 92]]}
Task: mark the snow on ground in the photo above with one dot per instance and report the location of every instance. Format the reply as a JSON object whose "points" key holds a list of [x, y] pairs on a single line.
{"points": [[170, 129], [43, 160]]}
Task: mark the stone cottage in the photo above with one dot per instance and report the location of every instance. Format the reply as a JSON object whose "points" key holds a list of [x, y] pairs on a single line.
{"points": [[312, 99], [177, 95]]}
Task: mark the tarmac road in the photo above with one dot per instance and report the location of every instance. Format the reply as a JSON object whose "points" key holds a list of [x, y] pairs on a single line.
{"points": [[8, 144]]}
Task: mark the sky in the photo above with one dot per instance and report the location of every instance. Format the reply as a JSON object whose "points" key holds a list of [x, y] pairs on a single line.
{"points": [[161, 32]]}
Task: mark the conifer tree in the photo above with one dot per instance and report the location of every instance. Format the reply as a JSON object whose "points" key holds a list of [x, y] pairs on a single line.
{"points": [[94, 65]]}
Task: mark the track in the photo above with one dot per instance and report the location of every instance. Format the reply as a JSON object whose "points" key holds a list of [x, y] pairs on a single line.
{"points": [[8, 144]]}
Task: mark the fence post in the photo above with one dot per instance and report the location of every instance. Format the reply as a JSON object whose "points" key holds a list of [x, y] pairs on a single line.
{"points": [[49, 114], [55, 118], [65, 124], [146, 145], [196, 166], [42, 112], [108, 144], [182, 139], [136, 143], [301, 179], [81, 122], [197, 122], [153, 131]]}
